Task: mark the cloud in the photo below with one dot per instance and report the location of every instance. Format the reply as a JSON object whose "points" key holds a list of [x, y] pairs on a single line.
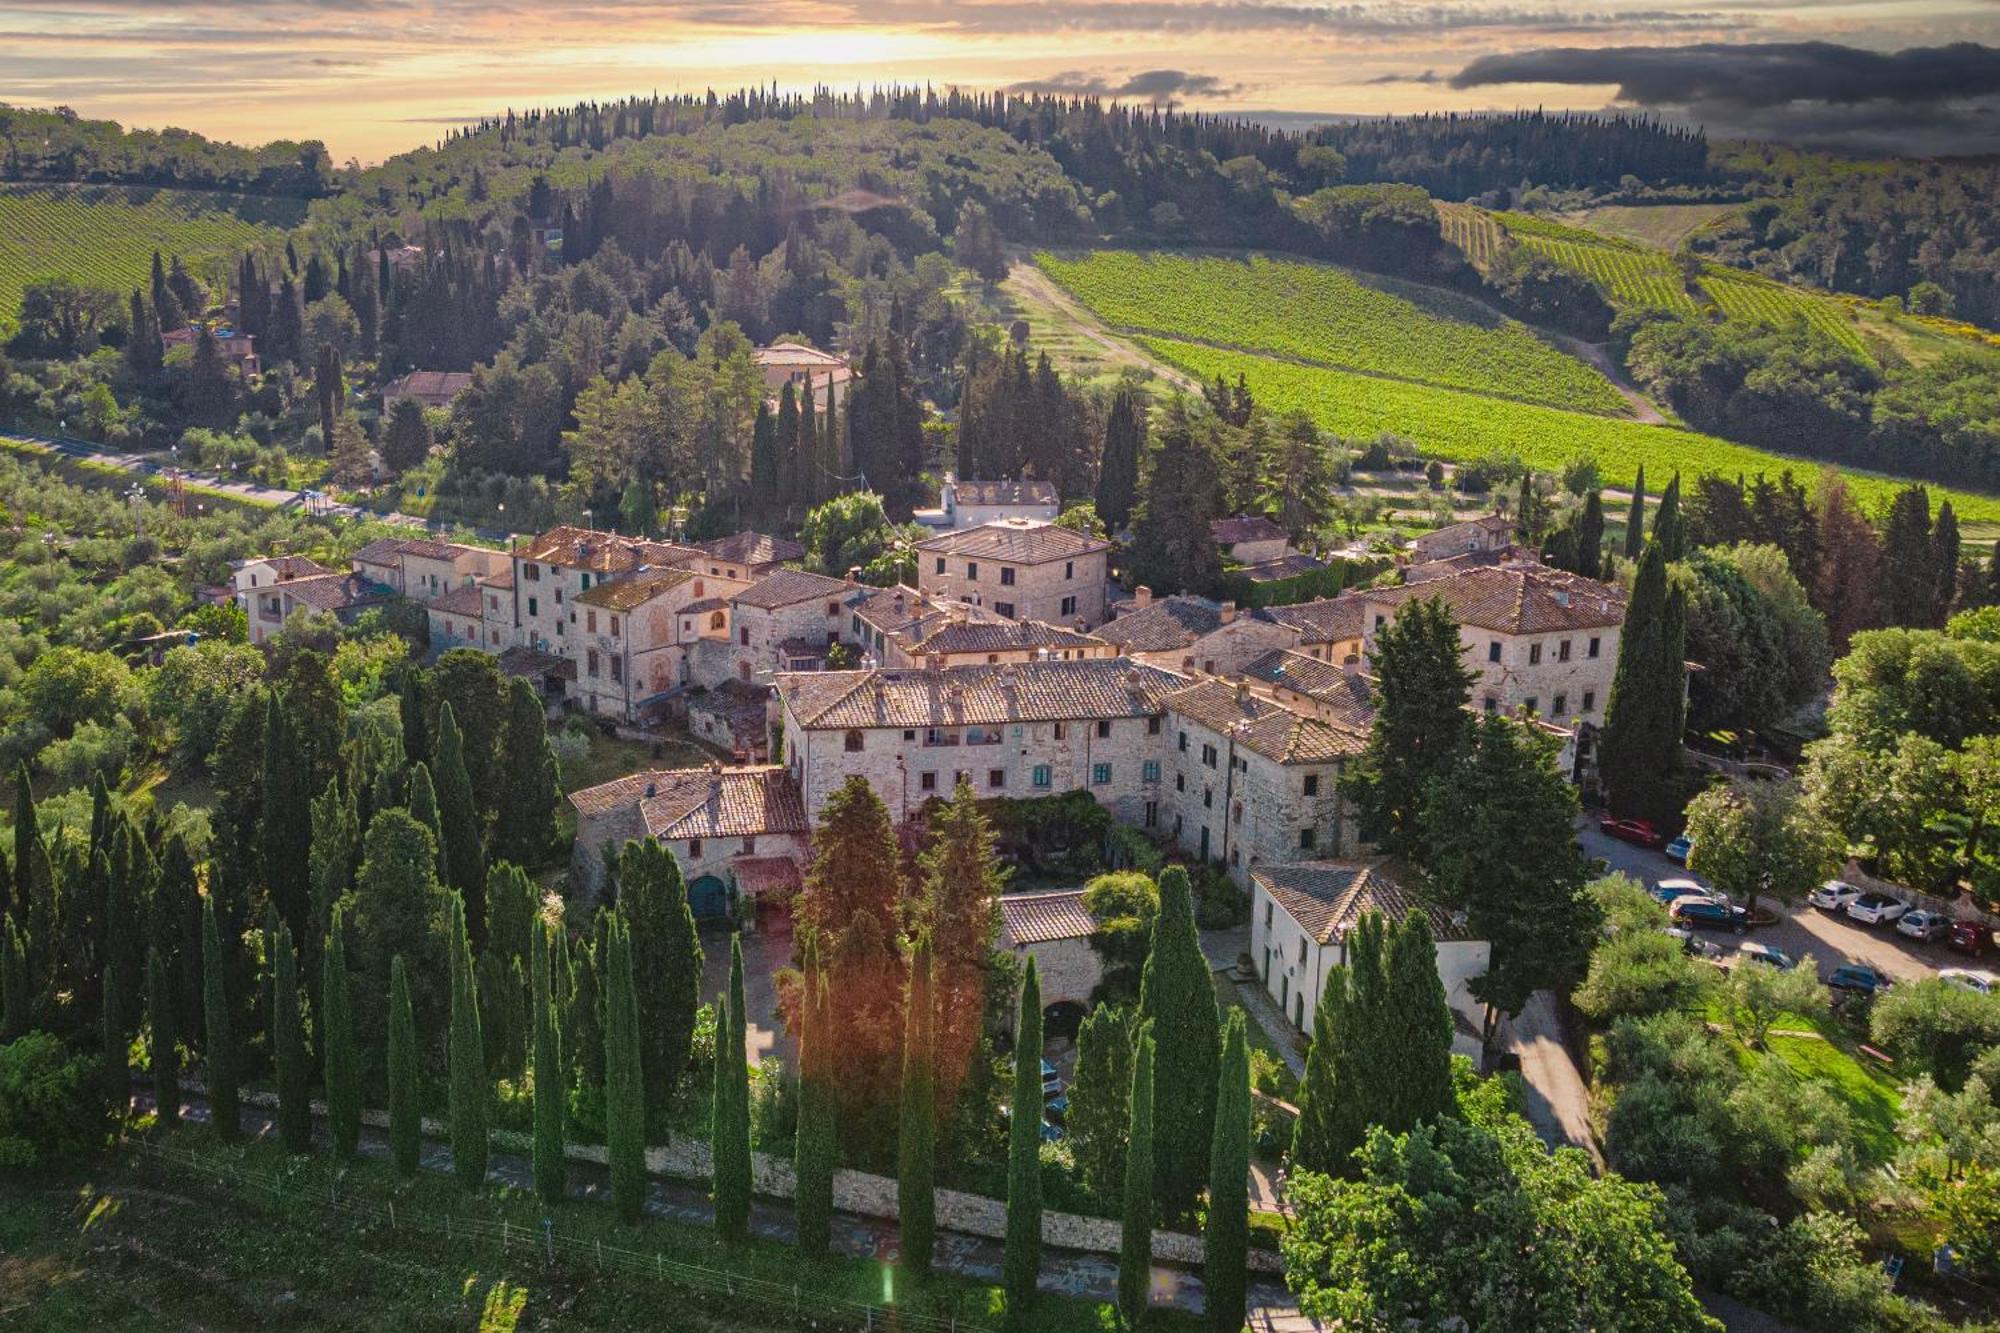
{"points": [[1429, 76], [1927, 100], [1156, 85], [1347, 19]]}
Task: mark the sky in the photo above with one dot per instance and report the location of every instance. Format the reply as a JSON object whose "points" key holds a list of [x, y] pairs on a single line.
{"points": [[371, 78]]}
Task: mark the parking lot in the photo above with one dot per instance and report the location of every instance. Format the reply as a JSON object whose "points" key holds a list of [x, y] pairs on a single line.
{"points": [[1831, 939]]}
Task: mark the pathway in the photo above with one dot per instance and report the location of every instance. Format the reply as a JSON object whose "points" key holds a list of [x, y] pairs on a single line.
{"points": [[1558, 1102]]}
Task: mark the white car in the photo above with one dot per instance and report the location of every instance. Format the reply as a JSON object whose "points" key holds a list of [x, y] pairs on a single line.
{"points": [[1922, 925], [1876, 909], [1966, 979], [1833, 896]]}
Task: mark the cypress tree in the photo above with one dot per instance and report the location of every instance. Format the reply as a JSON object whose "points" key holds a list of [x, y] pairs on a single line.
{"points": [[285, 831], [1118, 472], [466, 1057], [586, 1014], [223, 1103], [524, 825], [624, 1088], [14, 988], [916, 1177], [165, 1043], [343, 1060], [1421, 727], [117, 1070], [1099, 1106], [1329, 1125], [1178, 999], [288, 1028], [551, 1091], [787, 448], [424, 809], [1945, 545], [813, 1152], [27, 834], [1023, 1259], [1635, 517], [405, 1115], [464, 831], [1135, 1249], [1226, 1269], [1669, 528], [652, 899], [1647, 711], [731, 1127], [1413, 1031], [1171, 549], [412, 701], [1590, 536], [812, 483], [763, 458]]}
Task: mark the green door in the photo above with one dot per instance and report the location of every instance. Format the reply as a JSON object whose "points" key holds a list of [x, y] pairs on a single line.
{"points": [[708, 898]]}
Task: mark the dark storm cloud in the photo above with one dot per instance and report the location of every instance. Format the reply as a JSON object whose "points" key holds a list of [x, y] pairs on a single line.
{"points": [[1152, 84], [1427, 76], [1771, 74]]}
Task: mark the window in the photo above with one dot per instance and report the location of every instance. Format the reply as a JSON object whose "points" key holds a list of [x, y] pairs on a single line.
{"points": [[1312, 784], [585, 584], [1152, 813], [1006, 576], [1593, 647], [1236, 813], [928, 782], [1562, 651], [590, 662], [614, 627], [1589, 700], [743, 635], [832, 610], [1267, 914], [1493, 651], [940, 564], [972, 571], [590, 622], [697, 588], [558, 596], [1180, 782], [1043, 778], [1534, 654], [1183, 745], [718, 620], [1533, 705], [996, 777], [853, 742], [1208, 798], [1492, 704], [1004, 609], [492, 602], [533, 609], [1069, 569], [1561, 701], [1104, 728], [909, 735], [694, 848], [617, 668], [1208, 756], [1152, 726], [560, 629], [749, 844], [1061, 731], [1100, 774], [1068, 606], [532, 572], [1150, 771], [1378, 622]]}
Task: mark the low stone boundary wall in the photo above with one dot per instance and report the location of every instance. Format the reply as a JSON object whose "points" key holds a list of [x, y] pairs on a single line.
{"points": [[1958, 909]]}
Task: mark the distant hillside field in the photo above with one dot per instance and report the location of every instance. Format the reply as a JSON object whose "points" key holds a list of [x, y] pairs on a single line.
{"points": [[1464, 426], [1330, 317], [105, 235], [1662, 226]]}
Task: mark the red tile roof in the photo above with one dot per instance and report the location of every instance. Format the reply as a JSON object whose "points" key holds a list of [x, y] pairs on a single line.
{"points": [[1328, 898], [1327, 620], [751, 548], [723, 803], [1517, 599], [1244, 528], [1039, 918], [1265, 726], [977, 695], [789, 587], [1015, 540], [469, 600]]}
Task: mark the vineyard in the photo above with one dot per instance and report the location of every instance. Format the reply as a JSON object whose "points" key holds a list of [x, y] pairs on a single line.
{"points": [[1628, 274], [1758, 300], [105, 236], [1329, 317], [1463, 426]]}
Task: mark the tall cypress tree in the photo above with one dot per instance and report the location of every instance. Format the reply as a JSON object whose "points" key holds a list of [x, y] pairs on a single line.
{"points": [[1178, 999], [916, 1176], [1023, 1258], [424, 809], [763, 460], [1226, 1267], [1944, 563], [524, 823], [813, 1153], [285, 831], [288, 1029], [116, 1074], [1590, 536], [466, 1057], [464, 828], [165, 1041], [732, 1107], [1099, 1106], [652, 898], [1669, 527], [1118, 472], [1647, 711], [624, 1088], [405, 1114], [1135, 1249], [812, 482], [15, 991], [551, 1089], [1413, 1031], [1332, 1116], [342, 1059], [224, 1106], [787, 447], [27, 834]]}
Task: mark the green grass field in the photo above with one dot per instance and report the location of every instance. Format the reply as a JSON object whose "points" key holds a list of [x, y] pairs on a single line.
{"points": [[105, 235], [1661, 226], [1462, 426], [1328, 316]]}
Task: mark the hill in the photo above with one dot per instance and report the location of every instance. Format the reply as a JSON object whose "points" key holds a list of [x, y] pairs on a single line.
{"points": [[105, 235]]}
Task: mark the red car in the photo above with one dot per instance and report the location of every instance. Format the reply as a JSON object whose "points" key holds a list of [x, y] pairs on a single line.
{"points": [[1636, 831], [1971, 937]]}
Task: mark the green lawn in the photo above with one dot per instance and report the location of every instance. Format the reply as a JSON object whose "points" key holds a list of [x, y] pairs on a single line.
{"points": [[1866, 1086]]}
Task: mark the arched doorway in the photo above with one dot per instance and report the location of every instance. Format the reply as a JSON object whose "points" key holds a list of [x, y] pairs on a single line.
{"points": [[708, 898], [1062, 1019]]}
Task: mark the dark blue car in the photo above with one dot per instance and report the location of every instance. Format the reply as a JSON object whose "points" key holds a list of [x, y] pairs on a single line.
{"points": [[1857, 979], [1708, 914]]}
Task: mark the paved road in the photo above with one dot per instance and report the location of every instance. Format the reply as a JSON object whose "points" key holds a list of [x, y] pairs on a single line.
{"points": [[1558, 1101]]}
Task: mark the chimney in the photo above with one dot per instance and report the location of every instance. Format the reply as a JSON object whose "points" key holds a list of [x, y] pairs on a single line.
{"points": [[934, 661], [853, 576], [1243, 691], [1142, 597], [1228, 610], [1007, 674]]}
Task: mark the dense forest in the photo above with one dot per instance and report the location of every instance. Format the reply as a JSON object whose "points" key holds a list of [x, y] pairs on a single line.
{"points": [[59, 145], [1459, 156]]}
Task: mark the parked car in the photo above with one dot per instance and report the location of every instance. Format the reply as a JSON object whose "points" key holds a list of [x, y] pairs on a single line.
{"points": [[1966, 978], [1051, 1080], [1971, 937], [1667, 890], [1922, 925], [1677, 850], [1769, 956], [1056, 1109], [1857, 979], [1637, 831], [1710, 914], [1694, 945], [1876, 909], [1833, 896]]}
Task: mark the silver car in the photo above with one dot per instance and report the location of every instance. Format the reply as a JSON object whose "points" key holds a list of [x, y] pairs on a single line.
{"points": [[1922, 925], [1876, 909], [1833, 896]]}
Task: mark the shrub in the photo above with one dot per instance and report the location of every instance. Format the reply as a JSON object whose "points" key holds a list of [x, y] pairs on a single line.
{"points": [[51, 1111], [1936, 1027]]}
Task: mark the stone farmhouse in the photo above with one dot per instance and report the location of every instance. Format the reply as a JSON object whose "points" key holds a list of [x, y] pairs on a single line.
{"points": [[807, 369], [423, 569], [1488, 532], [270, 589], [972, 504], [787, 621], [736, 832], [1187, 633], [1329, 630], [1020, 570], [1249, 540], [1054, 929]]}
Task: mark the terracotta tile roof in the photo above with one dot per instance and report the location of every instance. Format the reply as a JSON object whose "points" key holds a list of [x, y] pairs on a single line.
{"points": [[1426, 570], [1517, 599], [381, 551], [501, 578], [1038, 918], [759, 875], [1327, 898], [1244, 528], [428, 384], [469, 600], [1327, 620], [968, 636], [1004, 492], [707, 604], [1472, 531], [1169, 623], [789, 587], [337, 592], [583, 548], [723, 803], [619, 792], [624, 594], [751, 548], [793, 354], [1018, 541], [892, 609], [521, 660], [287, 566], [1348, 693], [977, 695], [1268, 727], [1283, 567]]}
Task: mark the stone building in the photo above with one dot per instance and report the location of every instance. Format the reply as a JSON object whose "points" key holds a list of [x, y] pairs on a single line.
{"points": [[1054, 929], [1187, 633], [1329, 629], [271, 589], [1026, 730], [1249, 539], [807, 369], [953, 640], [458, 619], [1251, 781], [1488, 532], [423, 569], [1542, 640], [745, 555], [1342, 696], [629, 638], [736, 832], [1020, 570], [969, 504], [1300, 918], [786, 622]]}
